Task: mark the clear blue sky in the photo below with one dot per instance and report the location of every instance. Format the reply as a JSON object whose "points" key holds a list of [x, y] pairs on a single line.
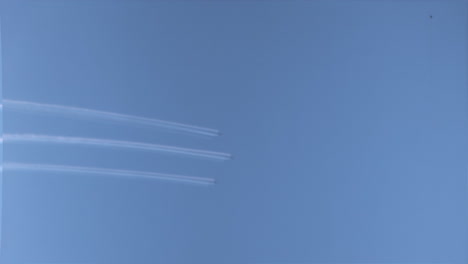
{"points": [[347, 120]]}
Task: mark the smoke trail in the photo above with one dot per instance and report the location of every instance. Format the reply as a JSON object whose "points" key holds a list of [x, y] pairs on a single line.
{"points": [[11, 166], [19, 138], [95, 114]]}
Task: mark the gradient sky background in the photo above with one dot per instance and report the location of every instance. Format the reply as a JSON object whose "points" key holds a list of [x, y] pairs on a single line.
{"points": [[347, 119]]}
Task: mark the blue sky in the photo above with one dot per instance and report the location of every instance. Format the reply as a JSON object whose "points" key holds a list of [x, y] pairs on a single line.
{"points": [[346, 119]]}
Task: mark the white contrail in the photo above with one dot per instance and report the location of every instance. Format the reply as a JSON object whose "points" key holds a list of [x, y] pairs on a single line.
{"points": [[12, 166], [96, 114], [32, 138]]}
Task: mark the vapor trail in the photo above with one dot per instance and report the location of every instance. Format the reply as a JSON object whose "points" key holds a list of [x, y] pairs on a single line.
{"points": [[96, 114], [8, 166], [32, 138]]}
